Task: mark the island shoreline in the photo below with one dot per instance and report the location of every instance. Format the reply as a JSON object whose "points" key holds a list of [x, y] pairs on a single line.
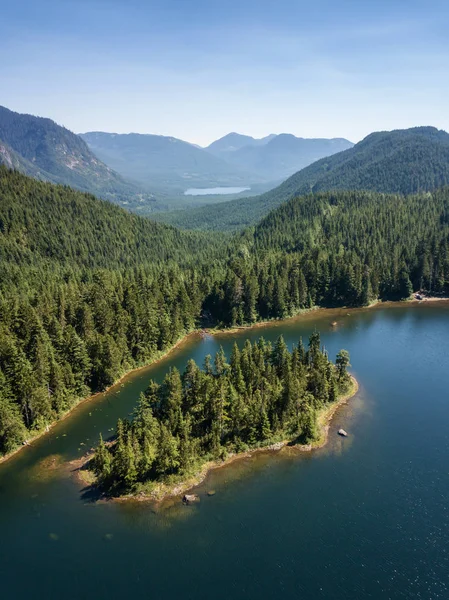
{"points": [[213, 331], [165, 491]]}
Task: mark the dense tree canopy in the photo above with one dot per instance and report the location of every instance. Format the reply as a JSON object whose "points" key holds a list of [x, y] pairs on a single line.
{"points": [[263, 394], [88, 291]]}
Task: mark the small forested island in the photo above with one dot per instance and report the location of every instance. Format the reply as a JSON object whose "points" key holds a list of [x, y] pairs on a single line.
{"points": [[264, 395]]}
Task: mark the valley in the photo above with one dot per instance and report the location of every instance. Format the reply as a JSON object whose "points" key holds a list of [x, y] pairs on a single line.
{"points": [[224, 300], [105, 355]]}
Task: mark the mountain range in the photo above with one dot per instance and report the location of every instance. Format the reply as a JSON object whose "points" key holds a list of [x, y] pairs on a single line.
{"points": [[165, 162], [401, 161], [44, 150], [233, 160], [147, 173], [275, 156]]}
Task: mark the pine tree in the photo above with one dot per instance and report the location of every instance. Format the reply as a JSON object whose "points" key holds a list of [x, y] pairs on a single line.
{"points": [[264, 427], [342, 363], [309, 426], [167, 460], [102, 461]]}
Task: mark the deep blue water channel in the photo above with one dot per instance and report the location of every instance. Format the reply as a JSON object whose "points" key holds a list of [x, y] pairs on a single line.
{"points": [[365, 517]]}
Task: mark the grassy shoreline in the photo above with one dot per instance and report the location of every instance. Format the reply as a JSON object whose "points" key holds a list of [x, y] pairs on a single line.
{"points": [[161, 491], [208, 331]]}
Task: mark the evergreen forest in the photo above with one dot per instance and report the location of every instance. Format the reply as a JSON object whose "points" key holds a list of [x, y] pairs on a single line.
{"points": [[405, 161], [262, 395], [89, 291]]}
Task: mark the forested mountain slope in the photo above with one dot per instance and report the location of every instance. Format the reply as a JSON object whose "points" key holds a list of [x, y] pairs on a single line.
{"points": [[166, 161], [60, 226], [402, 161], [384, 231], [88, 292], [42, 149]]}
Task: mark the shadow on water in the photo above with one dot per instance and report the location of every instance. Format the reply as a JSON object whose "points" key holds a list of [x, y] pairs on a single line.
{"points": [[90, 493]]}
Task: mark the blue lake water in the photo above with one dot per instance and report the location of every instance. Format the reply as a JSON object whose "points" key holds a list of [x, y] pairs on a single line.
{"points": [[366, 517], [216, 191]]}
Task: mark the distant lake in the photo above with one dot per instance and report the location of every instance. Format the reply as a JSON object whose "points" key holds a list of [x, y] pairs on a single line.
{"points": [[221, 191]]}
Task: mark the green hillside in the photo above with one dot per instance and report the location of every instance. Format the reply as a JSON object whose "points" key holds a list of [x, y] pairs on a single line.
{"points": [[402, 161], [40, 148], [60, 226], [89, 291]]}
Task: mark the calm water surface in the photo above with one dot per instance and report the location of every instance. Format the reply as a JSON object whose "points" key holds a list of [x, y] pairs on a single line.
{"points": [[216, 191], [365, 517]]}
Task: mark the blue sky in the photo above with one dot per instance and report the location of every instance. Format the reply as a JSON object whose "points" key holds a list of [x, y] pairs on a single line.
{"points": [[198, 69]]}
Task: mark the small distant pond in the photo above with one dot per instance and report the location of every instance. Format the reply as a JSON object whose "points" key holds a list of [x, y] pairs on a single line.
{"points": [[221, 191]]}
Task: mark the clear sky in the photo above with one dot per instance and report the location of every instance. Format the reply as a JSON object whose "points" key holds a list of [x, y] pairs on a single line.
{"points": [[198, 69]]}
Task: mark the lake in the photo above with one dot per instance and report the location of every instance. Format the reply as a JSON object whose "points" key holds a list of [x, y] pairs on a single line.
{"points": [[216, 191], [366, 517]]}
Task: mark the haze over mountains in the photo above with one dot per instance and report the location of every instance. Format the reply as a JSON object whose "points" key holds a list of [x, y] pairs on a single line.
{"points": [[275, 156], [42, 149], [147, 173], [401, 161], [165, 162], [230, 161], [234, 141]]}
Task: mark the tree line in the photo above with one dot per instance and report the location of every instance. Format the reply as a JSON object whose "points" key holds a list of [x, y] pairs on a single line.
{"points": [[402, 162], [88, 291], [263, 394]]}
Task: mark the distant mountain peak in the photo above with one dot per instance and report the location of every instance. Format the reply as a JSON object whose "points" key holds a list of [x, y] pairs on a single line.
{"points": [[41, 148], [276, 156], [166, 161]]}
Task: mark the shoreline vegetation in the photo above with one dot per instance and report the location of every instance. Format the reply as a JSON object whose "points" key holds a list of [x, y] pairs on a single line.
{"points": [[163, 491], [212, 331], [161, 356], [263, 396], [95, 292]]}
